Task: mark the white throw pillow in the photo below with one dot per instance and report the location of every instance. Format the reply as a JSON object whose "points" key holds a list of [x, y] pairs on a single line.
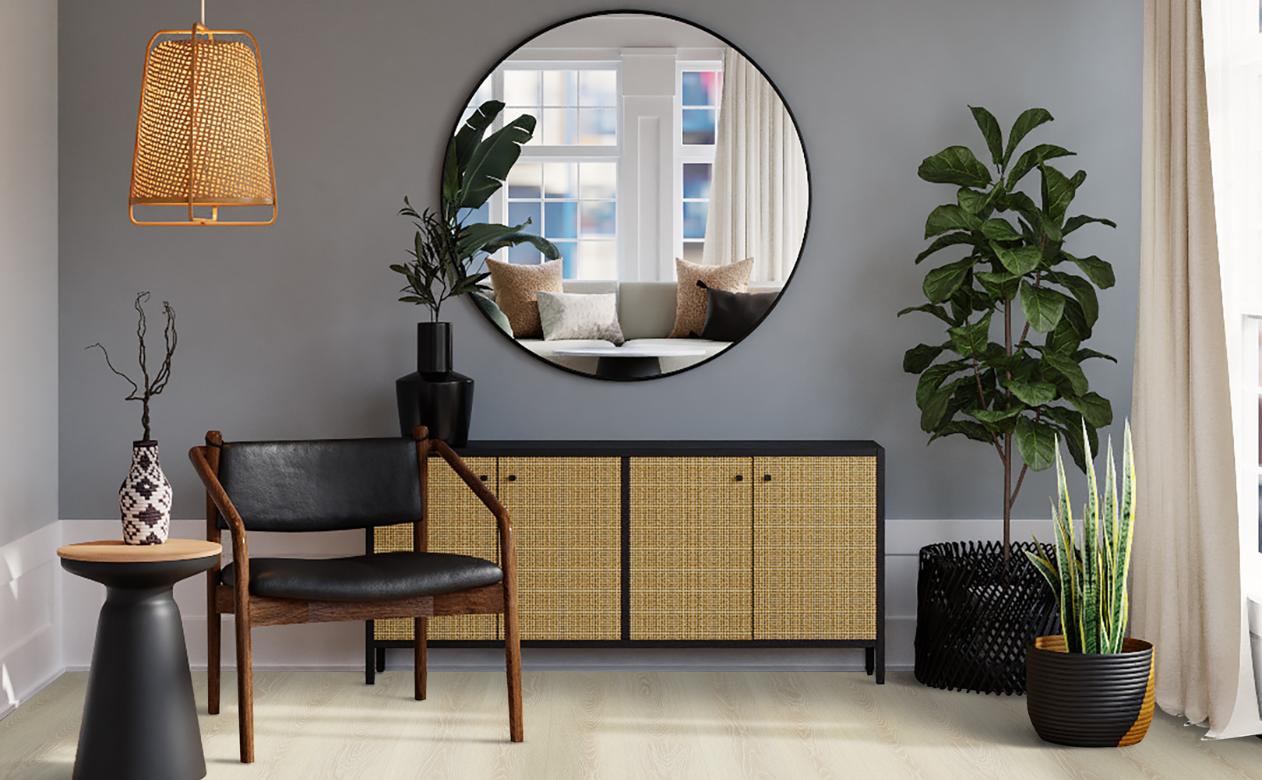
{"points": [[577, 316]]}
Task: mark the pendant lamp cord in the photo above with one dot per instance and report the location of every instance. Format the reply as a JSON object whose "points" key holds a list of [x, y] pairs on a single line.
{"points": [[203, 13]]}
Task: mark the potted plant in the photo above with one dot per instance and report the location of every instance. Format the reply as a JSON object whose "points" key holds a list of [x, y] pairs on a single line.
{"points": [[446, 255], [1016, 308], [145, 495], [1091, 685]]}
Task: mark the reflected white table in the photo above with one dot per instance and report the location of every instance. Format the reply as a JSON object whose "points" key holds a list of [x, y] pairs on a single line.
{"points": [[634, 361]]}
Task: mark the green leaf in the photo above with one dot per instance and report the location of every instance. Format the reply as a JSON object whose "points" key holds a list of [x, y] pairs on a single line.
{"points": [[1073, 223], [994, 416], [1000, 230], [1031, 160], [1077, 319], [941, 283], [1029, 119], [949, 217], [942, 242], [1058, 193], [920, 357], [971, 339], [1084, 354], [1083, 292], [999, 285], [470, 133], [989, 126], [932, 379], [492, 159], [1097, 270], [492, 312], [930, 308], [934, 410], [1020, 261], [965, 427], [1064, 340], [1069, 369], [1095, 409], [451, 183], [973, 201], [490, 236], [1036, 442], [545, 246], [954, 165], [1042, 307], [1033, 394]]}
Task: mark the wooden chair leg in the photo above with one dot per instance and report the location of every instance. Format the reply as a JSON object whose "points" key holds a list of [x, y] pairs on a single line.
{"points": [[214, 625], [421, 626], [512, 649], [245, 690]]}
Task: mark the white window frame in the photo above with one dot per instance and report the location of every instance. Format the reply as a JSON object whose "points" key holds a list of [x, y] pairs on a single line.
{"points": [[688, 153]]}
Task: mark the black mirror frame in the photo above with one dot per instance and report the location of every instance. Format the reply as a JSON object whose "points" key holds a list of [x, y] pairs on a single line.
{"points": [[806, 230]]}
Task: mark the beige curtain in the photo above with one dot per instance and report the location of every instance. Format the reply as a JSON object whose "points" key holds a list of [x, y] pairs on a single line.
{"points": [[1186, 591], [759, 194]]}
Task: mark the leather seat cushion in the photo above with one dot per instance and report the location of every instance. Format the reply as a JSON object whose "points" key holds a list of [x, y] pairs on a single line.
{"points": [[381, 577]]}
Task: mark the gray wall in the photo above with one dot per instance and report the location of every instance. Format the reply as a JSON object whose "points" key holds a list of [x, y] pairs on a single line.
{"points": [[28, 266], [293, 331]]}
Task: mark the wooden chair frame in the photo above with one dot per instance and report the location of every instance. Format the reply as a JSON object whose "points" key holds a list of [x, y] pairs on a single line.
{"points": [[250, 611]]}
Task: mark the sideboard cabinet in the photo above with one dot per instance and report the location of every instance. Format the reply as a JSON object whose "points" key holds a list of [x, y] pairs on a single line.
{"points": [[646, 544]]}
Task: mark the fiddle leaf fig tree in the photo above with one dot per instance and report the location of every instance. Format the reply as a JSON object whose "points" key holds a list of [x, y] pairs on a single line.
{"points": [[1017, 307]]}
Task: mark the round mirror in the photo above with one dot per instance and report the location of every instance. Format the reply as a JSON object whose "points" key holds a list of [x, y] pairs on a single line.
{"points": [[635, 190]]}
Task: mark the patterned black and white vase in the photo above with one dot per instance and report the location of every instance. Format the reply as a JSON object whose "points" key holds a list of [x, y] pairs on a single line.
{"points": [[145, 497]]}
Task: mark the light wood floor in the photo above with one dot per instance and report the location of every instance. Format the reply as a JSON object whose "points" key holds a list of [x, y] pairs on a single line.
{"points": [[606, 725]]}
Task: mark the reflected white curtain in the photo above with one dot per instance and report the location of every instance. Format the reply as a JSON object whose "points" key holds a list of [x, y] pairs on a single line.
{"points": [[759, 194], [1186, 590]]}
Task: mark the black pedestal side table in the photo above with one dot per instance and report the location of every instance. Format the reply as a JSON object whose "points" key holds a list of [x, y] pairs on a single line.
{"points": [[139, 720]]}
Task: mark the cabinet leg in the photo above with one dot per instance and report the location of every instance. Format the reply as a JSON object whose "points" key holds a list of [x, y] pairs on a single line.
{"points": [[869, 659], [370, 670], [381, 659]]}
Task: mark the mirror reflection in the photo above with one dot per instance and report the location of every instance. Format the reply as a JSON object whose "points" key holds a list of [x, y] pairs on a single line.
{"points": [[666, 177]]}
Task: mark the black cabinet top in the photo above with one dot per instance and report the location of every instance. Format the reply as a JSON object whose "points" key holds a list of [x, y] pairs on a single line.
{"points": [[672, 448]]}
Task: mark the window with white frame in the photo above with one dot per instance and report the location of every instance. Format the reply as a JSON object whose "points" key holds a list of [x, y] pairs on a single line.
{"points": [[568, 183], [698, 88], [1233, 62]]}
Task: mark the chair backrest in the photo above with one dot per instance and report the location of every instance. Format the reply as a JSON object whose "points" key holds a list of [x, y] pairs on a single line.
{"points": [[327, 485]]}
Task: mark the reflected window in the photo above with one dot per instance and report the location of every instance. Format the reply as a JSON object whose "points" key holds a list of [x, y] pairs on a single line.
{"points": [[698, 90]]}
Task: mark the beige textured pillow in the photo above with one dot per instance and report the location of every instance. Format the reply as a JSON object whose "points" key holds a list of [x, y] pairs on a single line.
{"points": [[690, 300], [515, 288]]}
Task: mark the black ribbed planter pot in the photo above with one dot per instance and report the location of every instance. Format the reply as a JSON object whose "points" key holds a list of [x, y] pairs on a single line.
{"points": [[435, 396], [1085, 700], [975, 617]]}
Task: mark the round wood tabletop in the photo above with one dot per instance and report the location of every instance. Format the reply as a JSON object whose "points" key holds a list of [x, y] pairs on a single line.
{"points": [[116, 551]]}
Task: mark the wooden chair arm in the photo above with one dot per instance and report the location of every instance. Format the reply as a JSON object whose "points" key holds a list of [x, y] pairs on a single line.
{"points": [[236, 527], [508, 550]]}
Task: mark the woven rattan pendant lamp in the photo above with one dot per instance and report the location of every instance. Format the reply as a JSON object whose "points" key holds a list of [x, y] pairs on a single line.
{"points": [[202, 139]]}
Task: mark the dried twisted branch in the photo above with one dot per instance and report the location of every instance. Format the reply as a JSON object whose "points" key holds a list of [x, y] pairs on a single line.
{"points": [[155, 385]]}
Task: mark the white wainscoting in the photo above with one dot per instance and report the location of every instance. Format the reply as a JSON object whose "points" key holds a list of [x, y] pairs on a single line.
{"points": [[339, 646], [30, 616]]}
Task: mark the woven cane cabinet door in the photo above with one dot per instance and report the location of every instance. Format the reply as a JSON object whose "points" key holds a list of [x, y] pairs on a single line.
{"points": [[458, 523], [690, 548], [815, 548], [567, 530]]}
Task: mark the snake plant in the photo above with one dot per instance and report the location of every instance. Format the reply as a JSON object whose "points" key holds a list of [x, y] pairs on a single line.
{"points": [[1090, 580]]}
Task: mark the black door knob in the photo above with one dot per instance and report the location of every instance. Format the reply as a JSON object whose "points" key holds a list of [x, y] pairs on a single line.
{"points": [[482, 477], [766, 477], [512, 477], [740, 477]]}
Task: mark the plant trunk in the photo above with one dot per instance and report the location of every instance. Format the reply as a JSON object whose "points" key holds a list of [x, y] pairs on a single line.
{"points": [[1007, 498]]}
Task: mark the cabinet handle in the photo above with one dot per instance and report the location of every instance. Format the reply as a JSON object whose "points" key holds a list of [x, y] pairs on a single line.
{"points": [[512, 477], [740, 477], [482, 477], [766, 477]]}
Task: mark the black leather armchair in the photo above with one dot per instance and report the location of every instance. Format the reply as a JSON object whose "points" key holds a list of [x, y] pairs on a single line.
{"points": [[334, 485]]}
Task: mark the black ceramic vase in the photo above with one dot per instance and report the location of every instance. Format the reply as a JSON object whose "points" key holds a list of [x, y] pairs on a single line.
{"points": [[435, 396]]}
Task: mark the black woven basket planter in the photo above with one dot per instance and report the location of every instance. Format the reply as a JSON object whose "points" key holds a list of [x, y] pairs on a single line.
{"points": [[974, 619]]}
